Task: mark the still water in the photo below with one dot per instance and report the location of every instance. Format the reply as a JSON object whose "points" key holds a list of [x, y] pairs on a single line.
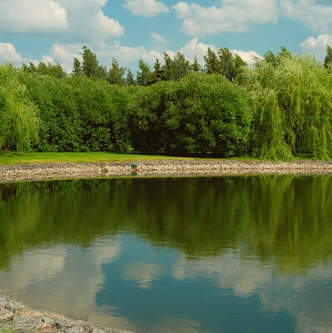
{"points": [[164, 255]]}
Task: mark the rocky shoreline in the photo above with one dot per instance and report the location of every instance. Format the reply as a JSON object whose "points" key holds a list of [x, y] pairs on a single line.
{"points": [[21, 172], [16, 317]]}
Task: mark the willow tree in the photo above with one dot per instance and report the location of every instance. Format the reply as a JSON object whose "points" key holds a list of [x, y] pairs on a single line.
{"points": [[19, 121], [292, 105]]}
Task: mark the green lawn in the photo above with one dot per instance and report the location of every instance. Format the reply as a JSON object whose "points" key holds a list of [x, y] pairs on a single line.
{"points": [[35, 158]]}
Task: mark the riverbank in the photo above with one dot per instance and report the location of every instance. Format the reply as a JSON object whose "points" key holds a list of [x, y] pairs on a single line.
{"points": [[16, 317], [20, 172]]}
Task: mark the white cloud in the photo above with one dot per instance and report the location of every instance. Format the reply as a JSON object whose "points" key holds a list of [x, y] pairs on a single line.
{"points": [[317, 46], [194, 47], [231, 16], [47, 59], [9, 53], [127, 55], [81, 20], [158, 39], [64, 55], [148, 8], [315, 16], [247, 56], [87, 21], [26, 16]]}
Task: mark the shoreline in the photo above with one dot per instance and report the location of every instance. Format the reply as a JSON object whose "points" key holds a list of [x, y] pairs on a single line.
{"points": [[161, 168], [16, 317]]}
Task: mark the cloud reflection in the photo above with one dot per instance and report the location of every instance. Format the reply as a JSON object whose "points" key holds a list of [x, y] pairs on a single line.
{"points": [[307, 298], [66, 280], [229, 271], [178, 325], [143, 274]]}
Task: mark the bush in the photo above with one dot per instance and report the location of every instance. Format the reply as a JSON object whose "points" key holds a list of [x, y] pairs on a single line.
{"points": [[207, 113], [60, 122], [145, 118]]}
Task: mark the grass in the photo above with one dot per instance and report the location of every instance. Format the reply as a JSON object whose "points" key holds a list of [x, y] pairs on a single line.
{"points": [[44, 158], [36, 158]]}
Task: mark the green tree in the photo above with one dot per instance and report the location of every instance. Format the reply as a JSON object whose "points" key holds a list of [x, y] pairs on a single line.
{"points": [[275, 59], [55, 70], [90, 65], [77, 68], [211, 60], [130, 79], [226, 63], [60, 123], [229, 64], [167, 68], [328, 57], [270, 57], [195, 66], [157, 74], [116, 74], [102, 115], [42, 68], [19, 121], [176, 68], [145, 109], [143, 76], [292, 105], [207, 114], [181, 66]]}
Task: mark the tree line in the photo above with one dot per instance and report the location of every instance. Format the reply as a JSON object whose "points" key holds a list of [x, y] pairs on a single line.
{"points": [[279, 108], [174, 68]]}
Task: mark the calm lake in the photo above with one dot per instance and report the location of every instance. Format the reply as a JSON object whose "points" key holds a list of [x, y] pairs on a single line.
{"points": [[173, 255]]}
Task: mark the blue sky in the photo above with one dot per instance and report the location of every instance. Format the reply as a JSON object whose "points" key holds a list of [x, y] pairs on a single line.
{"points": [[55, 30]]}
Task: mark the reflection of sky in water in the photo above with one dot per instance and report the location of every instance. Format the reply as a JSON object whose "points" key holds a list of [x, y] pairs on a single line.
{"points": [[125, 283]]}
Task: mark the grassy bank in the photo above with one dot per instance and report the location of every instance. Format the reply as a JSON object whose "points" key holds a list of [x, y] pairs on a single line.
{"points": [[44, 158]]}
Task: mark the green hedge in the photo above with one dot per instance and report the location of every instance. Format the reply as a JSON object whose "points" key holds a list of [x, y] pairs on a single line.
{"points": [[199, 114]]}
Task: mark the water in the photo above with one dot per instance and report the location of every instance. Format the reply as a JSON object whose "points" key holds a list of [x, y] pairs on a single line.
{"points": [[185, 255]]}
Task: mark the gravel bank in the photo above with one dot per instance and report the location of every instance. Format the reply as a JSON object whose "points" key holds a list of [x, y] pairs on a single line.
{"points": [[158, 168], [16, 317]]}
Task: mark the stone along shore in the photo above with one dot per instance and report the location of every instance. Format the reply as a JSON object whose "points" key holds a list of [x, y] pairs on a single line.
{"points": [[158, 168], [16, 317]]}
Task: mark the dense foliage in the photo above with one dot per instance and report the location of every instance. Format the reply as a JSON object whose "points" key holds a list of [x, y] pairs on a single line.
{"points": [[78, 114], [19, 120], [291, 98], [198, 114], [280, 108]]}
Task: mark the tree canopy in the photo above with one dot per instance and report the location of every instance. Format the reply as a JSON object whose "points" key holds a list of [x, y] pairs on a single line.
{"points": [[177, 107], [292, 102], [19, 121]]}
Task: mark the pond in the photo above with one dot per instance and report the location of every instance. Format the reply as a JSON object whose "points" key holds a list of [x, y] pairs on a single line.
{"points": [[162, 255]]}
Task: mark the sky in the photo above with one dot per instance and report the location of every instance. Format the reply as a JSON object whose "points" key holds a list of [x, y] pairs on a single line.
{"points": [[55, 31]]}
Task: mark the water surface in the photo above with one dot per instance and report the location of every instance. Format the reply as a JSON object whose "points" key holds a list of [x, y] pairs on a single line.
{"points": [[187, 255]]}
